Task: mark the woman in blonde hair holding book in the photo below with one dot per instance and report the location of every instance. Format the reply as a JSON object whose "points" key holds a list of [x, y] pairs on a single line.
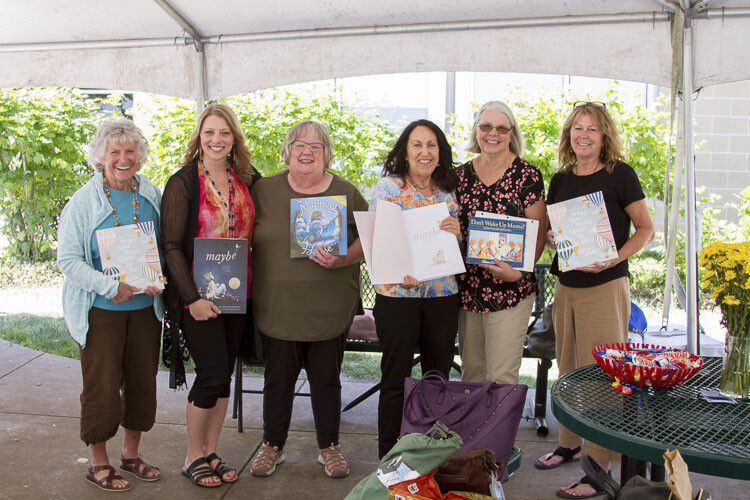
{"points": [[208, 197], [592, 304]]}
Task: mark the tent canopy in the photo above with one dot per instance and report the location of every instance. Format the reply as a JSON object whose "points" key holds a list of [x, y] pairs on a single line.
{"points": [[192, 48]]}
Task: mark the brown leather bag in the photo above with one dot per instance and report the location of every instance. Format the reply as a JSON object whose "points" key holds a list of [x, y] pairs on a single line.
{"points": [[468, 472]]}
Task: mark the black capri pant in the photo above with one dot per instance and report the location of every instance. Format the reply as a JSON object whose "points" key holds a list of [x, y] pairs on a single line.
{"points": [[213, 345]]}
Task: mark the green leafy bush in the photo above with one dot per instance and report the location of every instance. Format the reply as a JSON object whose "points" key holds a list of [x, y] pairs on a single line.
{"points": [[43, 161]]}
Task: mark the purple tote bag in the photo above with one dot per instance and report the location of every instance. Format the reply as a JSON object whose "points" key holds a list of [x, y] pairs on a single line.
{"points": [[485, 415]]}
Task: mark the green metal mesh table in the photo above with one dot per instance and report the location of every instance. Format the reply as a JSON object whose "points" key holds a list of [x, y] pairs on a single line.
{"points": [[713, 438]]}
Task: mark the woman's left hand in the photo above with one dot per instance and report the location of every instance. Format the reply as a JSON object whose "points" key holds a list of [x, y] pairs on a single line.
{"points": [[327, 260], [451, 225], [502, 271]]}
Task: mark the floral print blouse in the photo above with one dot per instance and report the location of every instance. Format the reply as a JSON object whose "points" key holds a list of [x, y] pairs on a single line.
{"points": [[520, 186], [400, 192]]}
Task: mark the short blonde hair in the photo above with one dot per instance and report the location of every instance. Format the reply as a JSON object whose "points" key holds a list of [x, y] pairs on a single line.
{"points": [[319, 130], [116, 131]]}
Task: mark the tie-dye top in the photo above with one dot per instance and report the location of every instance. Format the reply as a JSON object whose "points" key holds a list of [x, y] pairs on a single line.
{"points": [[213, 217], [396, 190]]}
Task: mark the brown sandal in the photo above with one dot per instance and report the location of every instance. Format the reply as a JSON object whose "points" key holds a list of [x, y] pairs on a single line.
{"points": [[133, 465], [105, 483]]}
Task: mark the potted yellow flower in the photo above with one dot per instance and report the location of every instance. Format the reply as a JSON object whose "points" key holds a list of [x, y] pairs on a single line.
{"points": [[727, 276]]}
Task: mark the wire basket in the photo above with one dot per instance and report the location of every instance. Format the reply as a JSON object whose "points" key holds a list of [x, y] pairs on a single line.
{"points": [[646, 376]]}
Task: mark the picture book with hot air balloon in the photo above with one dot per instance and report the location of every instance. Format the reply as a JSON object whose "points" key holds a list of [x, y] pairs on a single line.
{"points": [[499, 236], [220, 272], [317, 222], [129, 253], [583, 234]]}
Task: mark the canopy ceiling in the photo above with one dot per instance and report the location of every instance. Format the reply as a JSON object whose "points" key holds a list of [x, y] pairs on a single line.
{"points": [[223, 47]]}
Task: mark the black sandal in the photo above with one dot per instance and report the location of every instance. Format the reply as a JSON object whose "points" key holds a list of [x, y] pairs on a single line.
{"points": [[198, 470], [598, 492], [567, 454], [222, 468]]}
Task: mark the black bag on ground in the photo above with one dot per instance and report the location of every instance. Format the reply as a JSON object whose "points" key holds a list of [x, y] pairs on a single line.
{"points": [[542, 337]]}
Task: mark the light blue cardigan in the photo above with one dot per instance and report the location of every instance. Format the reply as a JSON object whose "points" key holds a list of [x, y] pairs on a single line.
{"points": [[86, 209]]}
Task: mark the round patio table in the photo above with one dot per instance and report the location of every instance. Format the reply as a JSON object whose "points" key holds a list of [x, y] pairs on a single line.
{"points": [[713, 438]]}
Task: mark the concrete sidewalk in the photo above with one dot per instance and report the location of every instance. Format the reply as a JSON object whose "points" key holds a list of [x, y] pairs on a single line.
{"points": [[44, 458]]}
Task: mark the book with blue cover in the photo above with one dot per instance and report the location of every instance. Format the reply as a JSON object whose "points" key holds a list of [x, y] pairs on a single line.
{"points": [[583, 234], [317, 222], [493, 238], [220, 272]]}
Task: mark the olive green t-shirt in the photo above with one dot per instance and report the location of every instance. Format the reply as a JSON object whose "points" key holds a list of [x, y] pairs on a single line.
{"points": [[297, 299]]}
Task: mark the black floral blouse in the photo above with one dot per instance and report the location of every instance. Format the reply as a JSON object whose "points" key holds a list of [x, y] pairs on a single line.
{"points": [[520, 187]]}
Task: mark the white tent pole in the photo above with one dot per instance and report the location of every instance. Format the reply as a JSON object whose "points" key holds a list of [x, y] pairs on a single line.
{"points": [[691, 255]]}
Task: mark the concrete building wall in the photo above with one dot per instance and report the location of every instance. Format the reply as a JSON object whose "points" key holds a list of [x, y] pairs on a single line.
{"points": [[722, 125]]}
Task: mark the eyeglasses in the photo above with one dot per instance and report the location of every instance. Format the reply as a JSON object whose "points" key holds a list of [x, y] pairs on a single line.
{"points": [[501, 129], [315, 147], [598, 104]]}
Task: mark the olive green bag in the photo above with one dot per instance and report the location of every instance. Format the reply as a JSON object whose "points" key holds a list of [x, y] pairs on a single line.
{"points": [[421, 452]]}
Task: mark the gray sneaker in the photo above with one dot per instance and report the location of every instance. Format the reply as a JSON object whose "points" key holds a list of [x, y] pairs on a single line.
{"points": [[334, 461], [265, 462]]}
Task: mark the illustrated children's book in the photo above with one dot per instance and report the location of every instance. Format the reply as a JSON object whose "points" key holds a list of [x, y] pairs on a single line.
{"points": [[397, 243], [498, 236], [129, 254], [583, 234], [220, 272], [317, 222]]}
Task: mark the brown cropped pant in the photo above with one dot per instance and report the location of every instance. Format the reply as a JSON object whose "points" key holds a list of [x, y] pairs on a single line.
{"points": [[119, 365], [584, 318]]}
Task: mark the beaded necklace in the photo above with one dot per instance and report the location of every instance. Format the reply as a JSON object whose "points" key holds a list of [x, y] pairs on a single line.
{"points": [[230, 198], [133, 189]]}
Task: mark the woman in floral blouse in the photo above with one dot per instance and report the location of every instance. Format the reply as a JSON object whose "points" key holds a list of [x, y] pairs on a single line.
{"points": [[418, 172], [496, 300]]}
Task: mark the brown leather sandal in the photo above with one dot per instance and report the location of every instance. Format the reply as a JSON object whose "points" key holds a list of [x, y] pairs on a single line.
{"points": [[134, 465], [105, 483]]}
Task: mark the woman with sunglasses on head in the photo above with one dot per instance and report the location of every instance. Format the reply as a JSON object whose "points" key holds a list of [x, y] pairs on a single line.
{"points": [[497, 299], [592, 304]]}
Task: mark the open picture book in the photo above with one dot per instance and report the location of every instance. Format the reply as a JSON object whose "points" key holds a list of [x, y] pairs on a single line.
{"points": [[397, 243]]}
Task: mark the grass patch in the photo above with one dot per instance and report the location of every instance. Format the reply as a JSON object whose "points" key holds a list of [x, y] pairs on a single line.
{"points": [[50, 334], [43, 333]]}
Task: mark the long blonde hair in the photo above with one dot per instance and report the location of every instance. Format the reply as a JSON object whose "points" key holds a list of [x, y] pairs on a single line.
{"points": [[611, 146], [239, 158]]}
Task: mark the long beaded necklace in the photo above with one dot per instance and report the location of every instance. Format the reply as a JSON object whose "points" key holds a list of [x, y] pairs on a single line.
{"points": [[229, 206], [133, 189]]}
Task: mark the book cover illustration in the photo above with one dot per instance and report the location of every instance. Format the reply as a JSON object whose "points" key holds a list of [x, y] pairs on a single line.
{"points": [[317, 222], [220, 272], [491, 239], [129, 253], [397, 243], [583, 234]]}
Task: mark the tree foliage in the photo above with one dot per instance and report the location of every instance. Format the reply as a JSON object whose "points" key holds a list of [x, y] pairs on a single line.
{"points": [[360, 141], [43, 160]]}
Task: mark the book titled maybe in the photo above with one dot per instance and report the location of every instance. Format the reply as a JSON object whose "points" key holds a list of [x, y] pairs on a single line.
{"points": [[220, 272], [397, 243]]}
